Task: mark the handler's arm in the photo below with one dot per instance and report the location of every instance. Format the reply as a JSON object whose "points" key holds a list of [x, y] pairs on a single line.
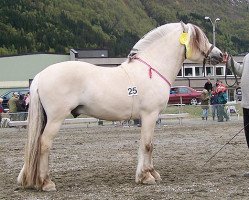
{"points": [[238, 67]]}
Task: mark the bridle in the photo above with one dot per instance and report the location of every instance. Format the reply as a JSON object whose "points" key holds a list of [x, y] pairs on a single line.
{"points": [[206, 57]]}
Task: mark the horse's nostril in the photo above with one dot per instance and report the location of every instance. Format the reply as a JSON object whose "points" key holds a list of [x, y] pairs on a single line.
{"points": [[221, 55]]}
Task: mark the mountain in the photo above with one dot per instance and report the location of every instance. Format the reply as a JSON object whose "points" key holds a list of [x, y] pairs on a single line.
{"points": [[55, 26]]}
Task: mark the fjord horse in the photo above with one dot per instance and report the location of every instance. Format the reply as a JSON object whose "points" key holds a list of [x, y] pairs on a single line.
{"points": [[138, 88]]}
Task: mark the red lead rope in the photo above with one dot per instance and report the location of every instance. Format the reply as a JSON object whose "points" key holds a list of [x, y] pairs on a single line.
{"points": [[152, 69]]}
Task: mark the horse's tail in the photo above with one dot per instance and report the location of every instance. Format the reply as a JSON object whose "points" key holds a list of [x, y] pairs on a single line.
{"points": [[30, 174]]}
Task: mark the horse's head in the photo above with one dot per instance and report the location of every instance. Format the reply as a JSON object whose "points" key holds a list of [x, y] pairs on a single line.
{"points": [[198, 47]]}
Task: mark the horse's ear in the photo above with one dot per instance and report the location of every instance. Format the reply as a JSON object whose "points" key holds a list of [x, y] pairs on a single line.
{"points": [[184, 26]]}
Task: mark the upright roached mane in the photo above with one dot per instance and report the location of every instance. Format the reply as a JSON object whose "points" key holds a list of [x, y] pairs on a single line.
{"points": [[198, 39], [117, 93], [153, 35]]}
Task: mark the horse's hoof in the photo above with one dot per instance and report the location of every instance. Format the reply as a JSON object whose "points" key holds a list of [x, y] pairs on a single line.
{"points": [[156, 175], [48, 186], [148, 179]]}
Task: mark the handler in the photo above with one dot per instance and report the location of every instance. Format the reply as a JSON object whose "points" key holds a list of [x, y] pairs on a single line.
{"points": [[242, 70]]}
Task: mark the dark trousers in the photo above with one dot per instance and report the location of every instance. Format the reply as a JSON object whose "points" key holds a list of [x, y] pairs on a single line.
{"points": [[221, 112], [246, 124]]}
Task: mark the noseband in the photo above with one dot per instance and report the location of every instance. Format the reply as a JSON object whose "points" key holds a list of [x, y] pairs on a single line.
{"points": [[208, 52]]}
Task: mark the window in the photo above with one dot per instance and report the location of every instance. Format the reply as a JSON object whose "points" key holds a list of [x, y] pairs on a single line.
{"points": [[188, 71], [198, 71], [180, 73], [173, 91], [229, 72], [183, 90], [209, 71], [220, 71]]}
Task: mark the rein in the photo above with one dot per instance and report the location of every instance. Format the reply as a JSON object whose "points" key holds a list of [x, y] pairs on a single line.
{"points": [[152, 69], [225, 144], [233, 70]]}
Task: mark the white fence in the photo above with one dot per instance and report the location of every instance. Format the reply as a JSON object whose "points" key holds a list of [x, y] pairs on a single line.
{"points": [[6, 122]]}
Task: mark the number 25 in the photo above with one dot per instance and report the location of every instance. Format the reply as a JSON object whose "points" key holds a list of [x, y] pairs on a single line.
{"points": [[132, 91]]}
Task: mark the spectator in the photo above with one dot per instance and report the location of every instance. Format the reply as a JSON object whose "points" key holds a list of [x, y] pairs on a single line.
{"points": [[214, 104], [220, 87], [208, 86], [205, 103], [12, 106], [21, 108], [1, 109], [222, 100], [27, 99]]}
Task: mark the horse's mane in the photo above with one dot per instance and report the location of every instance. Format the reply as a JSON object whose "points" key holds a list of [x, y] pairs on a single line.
{"points": [[151, 36], [198, 39]]}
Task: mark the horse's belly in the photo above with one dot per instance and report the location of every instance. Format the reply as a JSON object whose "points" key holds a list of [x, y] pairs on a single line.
{"points": [[109, 112]]}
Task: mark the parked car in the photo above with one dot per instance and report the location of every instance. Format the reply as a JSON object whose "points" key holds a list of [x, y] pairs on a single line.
{"points": [[7, 95], [187, 94]]}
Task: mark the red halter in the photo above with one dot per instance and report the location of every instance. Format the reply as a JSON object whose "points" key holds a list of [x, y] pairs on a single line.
{"points": [[152, 69]]}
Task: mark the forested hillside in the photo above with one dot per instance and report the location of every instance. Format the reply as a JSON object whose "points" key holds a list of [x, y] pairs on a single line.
{"points": [[55, 26]]}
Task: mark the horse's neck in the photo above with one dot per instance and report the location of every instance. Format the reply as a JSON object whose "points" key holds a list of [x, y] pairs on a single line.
{"points": [[166, 56]]}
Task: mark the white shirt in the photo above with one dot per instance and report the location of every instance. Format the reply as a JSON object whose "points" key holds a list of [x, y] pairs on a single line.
{"points": [[243, 71]]}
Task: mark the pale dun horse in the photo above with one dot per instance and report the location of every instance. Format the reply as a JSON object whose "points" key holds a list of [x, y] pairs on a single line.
{"points": [[138, 88]]}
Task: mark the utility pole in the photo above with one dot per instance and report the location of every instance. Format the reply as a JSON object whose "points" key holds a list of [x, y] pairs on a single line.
{"points": [[214, 31]]}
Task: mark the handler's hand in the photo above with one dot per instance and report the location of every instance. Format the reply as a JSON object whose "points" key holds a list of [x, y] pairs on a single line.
{"points": [[225, 57]]}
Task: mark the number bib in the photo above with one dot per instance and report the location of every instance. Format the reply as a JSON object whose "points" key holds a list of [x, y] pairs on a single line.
{"points": [[132, 91]]}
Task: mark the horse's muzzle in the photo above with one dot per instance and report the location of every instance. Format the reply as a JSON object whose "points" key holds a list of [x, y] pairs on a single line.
{"points": [[214, 60]]}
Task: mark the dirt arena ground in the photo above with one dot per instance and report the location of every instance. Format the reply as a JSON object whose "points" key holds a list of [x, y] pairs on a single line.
{"points": [[99, 162]]}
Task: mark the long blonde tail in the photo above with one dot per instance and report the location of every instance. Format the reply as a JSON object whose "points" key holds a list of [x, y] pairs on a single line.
{"points": [[30, 174]]}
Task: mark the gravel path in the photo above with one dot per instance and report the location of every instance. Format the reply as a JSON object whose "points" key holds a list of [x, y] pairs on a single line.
{"points": [[99, 162]]}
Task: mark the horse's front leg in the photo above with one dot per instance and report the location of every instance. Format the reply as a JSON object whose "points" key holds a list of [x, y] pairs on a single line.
{"points": [[146, 173]]}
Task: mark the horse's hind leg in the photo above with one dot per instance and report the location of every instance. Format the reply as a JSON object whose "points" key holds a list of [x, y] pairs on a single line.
{"points": [[146, 173], [51, 129]]}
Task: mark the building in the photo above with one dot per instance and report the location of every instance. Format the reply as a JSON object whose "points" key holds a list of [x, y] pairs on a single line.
{"points": [[17, 71]]}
